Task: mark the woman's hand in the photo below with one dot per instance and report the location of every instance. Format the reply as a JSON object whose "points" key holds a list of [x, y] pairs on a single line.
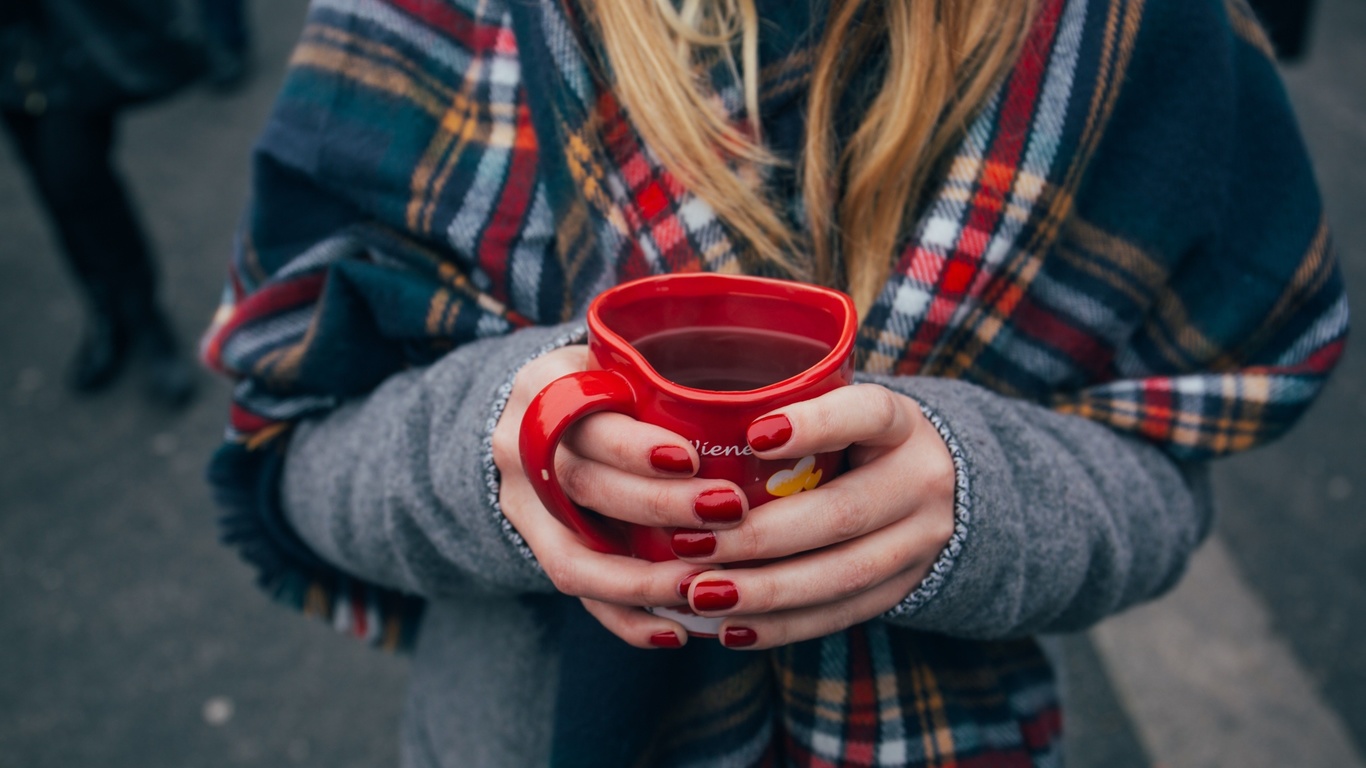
{"points": [[621, 468], [847, 551], [841, 554]]}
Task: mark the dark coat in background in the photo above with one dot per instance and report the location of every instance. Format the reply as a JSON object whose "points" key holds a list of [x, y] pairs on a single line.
{"points": [[94, 54]]}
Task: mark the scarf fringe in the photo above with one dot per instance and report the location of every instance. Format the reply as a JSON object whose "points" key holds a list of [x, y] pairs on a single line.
{"points": [[245, 485]]}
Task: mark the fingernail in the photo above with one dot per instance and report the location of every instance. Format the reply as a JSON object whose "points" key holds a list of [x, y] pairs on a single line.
{"points": [[738, 637], [686, 583], [719, 505], [769, 432], [693, 543], [671, 458], [714, 596], [665, 640]]}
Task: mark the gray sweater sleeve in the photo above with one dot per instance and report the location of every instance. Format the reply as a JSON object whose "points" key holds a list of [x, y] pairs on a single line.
{"points": [[399, 487], [1061, 521]]}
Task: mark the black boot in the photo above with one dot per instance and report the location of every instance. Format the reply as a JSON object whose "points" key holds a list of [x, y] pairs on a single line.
{"points": [[168, 376], [102, 352]]}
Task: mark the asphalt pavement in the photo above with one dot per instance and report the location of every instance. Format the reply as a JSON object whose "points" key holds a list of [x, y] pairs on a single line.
{"points": [[130, 637]]}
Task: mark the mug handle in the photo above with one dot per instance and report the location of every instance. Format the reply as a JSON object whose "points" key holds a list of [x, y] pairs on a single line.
{"points": [[563, 402]]}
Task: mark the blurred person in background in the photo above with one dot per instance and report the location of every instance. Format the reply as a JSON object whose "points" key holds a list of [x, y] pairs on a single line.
{"points": [[227, 43], [68, 69], [1089, 256]]}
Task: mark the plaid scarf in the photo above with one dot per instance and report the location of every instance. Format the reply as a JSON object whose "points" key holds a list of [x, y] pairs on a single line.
{"points": [[1128, 232]]}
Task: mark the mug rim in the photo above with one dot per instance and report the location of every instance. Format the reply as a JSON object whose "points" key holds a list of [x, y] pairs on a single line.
{"points": [[836, 302]]}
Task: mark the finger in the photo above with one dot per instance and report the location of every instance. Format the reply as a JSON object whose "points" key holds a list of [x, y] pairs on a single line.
{"points": [[647, 501], [777, 629], [579, 571], [865, 414], [866, 499], [538, 372], [633, 446], [529, 381], [901, 552], [637, 627]]}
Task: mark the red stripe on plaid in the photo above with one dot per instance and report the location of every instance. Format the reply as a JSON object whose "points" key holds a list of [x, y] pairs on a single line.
{"points": [[1158, 415], [460, 27], [1042, 730], [862, 710], [246, 422], [238, 290], [623, 148], [994, 184], [505, 221], [271, 300], [924, 265], [655, 197], [1086, 351], [1321, 361], [652, 200], [957, 277]]}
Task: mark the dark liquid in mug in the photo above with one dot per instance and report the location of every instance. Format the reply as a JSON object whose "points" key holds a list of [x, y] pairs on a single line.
{"points": [[729, 359]]}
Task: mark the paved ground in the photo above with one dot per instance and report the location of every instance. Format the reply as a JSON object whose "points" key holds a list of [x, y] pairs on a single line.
{"points": [[130, 638]]}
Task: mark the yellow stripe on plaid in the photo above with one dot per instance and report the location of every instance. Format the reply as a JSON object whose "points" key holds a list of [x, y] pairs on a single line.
{"points": [[386, 77]]}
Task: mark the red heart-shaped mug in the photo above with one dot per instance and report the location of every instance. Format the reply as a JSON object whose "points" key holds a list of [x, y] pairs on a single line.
{"points": [[702, 355]]}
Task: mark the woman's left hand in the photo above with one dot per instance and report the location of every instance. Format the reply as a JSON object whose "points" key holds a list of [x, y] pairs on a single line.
{"points": [[852, 548]]}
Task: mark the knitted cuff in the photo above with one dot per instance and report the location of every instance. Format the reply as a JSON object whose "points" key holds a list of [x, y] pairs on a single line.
{"points": [[962, 516], [493, 479]]}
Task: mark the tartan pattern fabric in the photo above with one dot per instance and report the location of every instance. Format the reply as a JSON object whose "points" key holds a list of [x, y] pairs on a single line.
{"points": [[439, 172]]}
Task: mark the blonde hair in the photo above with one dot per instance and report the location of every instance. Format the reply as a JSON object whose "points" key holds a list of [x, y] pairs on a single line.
{"points": [[942, 60]]}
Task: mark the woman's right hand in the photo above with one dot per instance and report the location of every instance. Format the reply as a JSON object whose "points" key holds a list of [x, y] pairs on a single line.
{"points": [[623, 469]]}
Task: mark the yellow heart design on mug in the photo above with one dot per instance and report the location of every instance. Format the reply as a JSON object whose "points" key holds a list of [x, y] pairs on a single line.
{"points": [[802, 477]]}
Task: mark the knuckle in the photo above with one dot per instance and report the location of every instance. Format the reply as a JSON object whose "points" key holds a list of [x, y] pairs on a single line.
{"points": [[660, 504], [883, 410], [621, 453], [857, 574], [761, 594], [745, 542], [506, 453], [639, 592], [563, 575], [775, 635], [844, 516], [943, 474], [825, 418], [942, 527], [574, 479], [531, 377], [845, 614]]}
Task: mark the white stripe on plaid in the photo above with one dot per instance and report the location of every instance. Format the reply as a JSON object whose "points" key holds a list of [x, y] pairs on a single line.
{"points": [[570, 62], [1330, 326], [908, 297], [266, 335], [471, 218], [528, 258], [438, 48], [892, 749]]}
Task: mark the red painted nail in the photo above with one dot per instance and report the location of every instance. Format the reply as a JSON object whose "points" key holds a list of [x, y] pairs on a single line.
{"points": [[738, 637], [719, 505], [692, 543], [769, 432], [686, 583], [665, 640], [714, 596], [671, 458]]}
